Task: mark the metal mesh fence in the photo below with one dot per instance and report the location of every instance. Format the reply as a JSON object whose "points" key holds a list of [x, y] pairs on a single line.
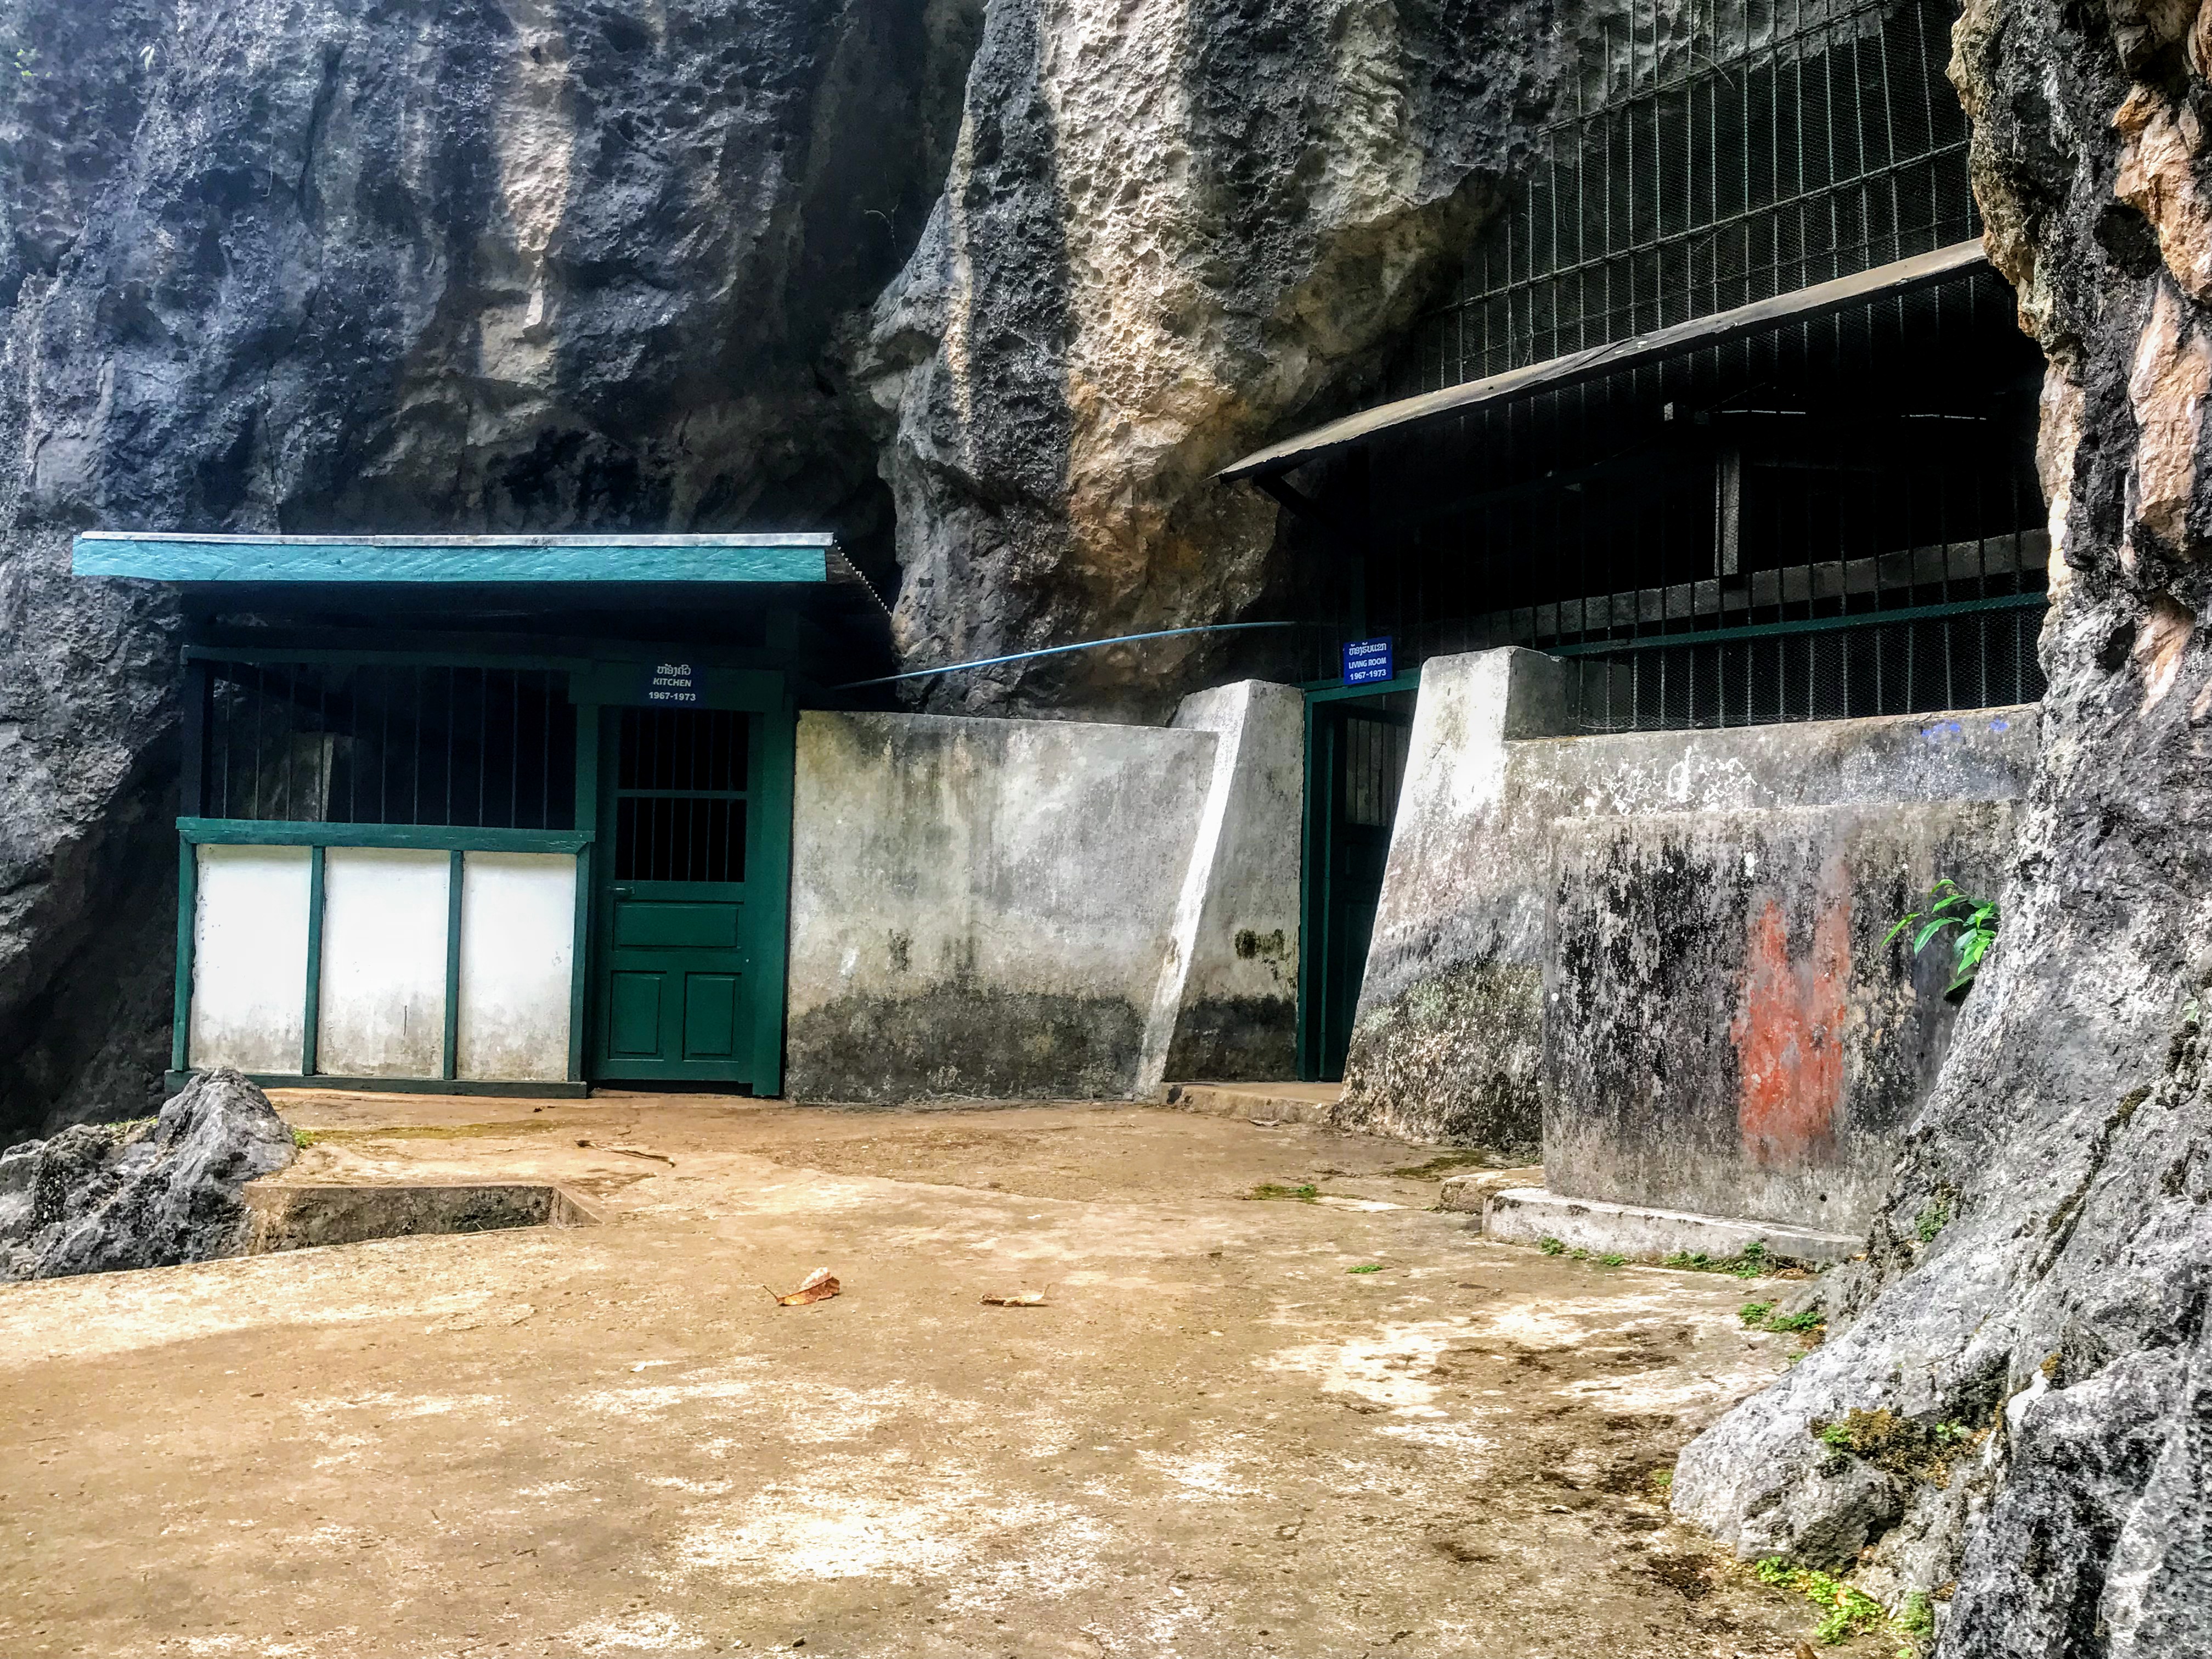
{"points": [[1709, 535], [1716, 154], [1976, 658]]}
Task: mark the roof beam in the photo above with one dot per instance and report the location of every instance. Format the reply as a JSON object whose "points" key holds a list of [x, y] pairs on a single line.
{"points": [[1923, 270], [478, 560]]}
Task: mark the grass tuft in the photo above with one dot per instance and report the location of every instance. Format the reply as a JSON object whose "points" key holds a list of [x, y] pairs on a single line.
{"points": [[1755, 1262], [1267, 1189], [1442, 1165], [1916, 1448]]}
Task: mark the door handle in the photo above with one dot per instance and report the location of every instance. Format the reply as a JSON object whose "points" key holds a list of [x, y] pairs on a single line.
{"points": [[623, 892]]}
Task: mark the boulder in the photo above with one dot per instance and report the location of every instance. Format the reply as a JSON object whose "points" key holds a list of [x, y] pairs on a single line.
{"points": [[99, 1197]]}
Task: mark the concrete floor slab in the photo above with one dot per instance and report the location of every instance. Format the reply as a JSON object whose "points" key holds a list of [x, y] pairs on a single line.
{"points": [[1216, 1439]]}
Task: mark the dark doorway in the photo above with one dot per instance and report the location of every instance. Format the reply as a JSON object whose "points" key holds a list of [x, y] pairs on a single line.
{"points": [[1356, 753]]}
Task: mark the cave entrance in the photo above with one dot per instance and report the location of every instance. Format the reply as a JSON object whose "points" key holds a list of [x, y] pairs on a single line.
{"points": [[1726, 408], [1726, 412]]}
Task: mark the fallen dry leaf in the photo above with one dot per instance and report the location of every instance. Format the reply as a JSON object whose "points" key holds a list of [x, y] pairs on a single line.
{"points": [[1022, 1299], [818, 1287]]}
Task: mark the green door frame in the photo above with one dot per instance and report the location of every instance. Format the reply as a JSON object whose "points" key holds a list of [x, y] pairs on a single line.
{"points": [[764, 920], [1313, 922]]}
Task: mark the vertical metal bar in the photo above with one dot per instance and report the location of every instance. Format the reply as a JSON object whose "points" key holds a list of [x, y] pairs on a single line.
{"points": [[514, 749], [259, 807], [452, 722], [454, 884], [385, 684], [310, 1033], [353, 772], [484, 744], [191, 785]]}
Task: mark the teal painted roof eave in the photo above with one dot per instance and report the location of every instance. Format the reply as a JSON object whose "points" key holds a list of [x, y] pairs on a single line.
{"points": [[480, 561]]}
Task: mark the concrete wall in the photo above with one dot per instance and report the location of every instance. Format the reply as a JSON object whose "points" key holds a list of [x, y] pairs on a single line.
{"points": [[1726, 1032], [1227, 1003], [1041, 908], [1449, 1040]]}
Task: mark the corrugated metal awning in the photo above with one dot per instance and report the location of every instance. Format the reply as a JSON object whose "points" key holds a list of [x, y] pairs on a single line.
{"points": [[1882, 281]]}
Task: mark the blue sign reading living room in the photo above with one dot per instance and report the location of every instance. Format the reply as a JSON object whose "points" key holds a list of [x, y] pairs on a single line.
{"points": [[1367, 662]]}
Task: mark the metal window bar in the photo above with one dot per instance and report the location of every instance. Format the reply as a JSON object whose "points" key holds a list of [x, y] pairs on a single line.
{"points": [[391, 744], [1845, 158]]}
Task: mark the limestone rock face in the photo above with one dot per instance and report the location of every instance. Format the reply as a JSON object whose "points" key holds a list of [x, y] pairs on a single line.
{"points": [[1168, 226], [2041, 1276], [97, 1198]]}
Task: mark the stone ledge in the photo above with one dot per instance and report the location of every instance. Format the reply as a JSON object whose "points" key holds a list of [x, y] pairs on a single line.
{"points": [[1470, 1193], [1279, 1103], [1523, 1215]]}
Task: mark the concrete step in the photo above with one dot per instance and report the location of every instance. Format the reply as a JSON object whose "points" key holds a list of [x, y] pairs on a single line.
{"points": [[1527, 1215], [1262, 1102]]}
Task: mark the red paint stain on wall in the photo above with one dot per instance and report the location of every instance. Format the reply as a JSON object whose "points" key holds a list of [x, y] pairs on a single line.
{"points": [[1788, 1034]]}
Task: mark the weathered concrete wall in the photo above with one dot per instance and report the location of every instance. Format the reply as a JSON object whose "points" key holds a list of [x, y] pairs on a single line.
{"points": [[1726, 1032], [1448, 1043], [1227, 1004], [983, 907]]}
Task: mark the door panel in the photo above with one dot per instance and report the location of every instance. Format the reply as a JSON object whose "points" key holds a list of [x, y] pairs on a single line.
{"points": [[673, 907], [634, 1013], [712, 1016], [654, 926]]}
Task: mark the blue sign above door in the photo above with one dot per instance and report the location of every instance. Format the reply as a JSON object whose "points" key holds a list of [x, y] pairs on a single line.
{"points": [[1367, 662]]}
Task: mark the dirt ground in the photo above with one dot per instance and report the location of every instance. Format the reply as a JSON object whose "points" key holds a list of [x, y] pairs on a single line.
{"points": [[1217, 1438]]}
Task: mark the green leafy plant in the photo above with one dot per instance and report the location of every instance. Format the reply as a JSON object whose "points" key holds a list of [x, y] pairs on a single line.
{"points": [[1755, 1261], [1611, 1261], [1950, 906], [1551, 1246], [1849, 1610], [1368, 1268], [304, 1138], [1933, 1216], [1754, 1313]]}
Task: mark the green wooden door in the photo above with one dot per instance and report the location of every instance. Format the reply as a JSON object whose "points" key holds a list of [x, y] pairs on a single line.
{"points": [[689, 969]]}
